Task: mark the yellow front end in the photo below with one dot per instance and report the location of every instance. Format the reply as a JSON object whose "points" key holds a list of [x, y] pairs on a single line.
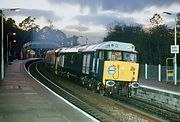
{"points": [[120, 71]]}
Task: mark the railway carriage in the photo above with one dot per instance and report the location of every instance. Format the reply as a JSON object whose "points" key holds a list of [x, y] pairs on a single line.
{"points": [[108, 67]]}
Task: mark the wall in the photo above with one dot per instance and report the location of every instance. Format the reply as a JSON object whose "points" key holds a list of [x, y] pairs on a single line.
{"points": [[163, 98]]}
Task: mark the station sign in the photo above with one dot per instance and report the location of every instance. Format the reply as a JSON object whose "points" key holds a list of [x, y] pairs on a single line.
{"points": [[174, 49]]}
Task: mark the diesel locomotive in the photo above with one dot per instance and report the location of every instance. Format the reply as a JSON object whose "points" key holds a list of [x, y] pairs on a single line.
{"points": [[107, 67]]}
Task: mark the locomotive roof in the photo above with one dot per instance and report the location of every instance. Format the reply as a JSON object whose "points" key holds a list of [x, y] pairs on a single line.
{"points": [[110, 45]]}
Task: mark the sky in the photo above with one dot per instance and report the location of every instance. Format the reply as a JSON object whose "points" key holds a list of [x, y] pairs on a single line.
{"points": [[90, 18]]}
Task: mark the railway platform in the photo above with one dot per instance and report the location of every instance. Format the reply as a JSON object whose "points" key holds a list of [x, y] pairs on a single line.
{"points": [[161, 93], [161, 85], [22, 99]]}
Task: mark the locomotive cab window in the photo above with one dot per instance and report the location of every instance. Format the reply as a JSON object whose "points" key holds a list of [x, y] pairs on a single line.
{"points": [[113, 55], [131, 57]]}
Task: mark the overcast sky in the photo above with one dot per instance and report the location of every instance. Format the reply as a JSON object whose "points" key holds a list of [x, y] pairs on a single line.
{"points": [[89, 18]]}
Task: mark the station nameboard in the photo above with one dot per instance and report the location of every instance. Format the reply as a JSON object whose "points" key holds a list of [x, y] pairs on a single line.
{"points": [[174, 49]]}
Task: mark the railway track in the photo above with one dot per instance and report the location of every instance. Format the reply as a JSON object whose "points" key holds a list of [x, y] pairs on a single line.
{"points": [[153, 109], [68, 96], [99, 114]]}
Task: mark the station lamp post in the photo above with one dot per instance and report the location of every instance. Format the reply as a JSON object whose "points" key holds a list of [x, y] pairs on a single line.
{"points": [[2, 57], [9, 46], [2, 39], [174, 47]]}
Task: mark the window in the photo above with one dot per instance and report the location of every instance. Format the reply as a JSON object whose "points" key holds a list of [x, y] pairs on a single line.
{"points": [[101, 54], [61, 60], [114, 55], [86, 63], [72, 59], [132, 57]]}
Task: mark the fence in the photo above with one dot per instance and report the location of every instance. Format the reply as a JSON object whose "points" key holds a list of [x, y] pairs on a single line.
{"points": [[157, 73]]}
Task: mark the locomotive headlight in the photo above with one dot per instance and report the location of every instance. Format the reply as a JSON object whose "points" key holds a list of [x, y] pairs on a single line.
{"points": [[128, 46], [110, 83], [135, 85]]}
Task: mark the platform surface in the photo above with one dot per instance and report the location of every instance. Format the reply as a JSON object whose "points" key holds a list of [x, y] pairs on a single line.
{"points": [[161, 85], [22, 99]]}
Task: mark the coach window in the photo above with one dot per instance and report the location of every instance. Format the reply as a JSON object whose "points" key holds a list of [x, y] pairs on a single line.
{"points": [[72, 59], [84, 64], [88, 58]]}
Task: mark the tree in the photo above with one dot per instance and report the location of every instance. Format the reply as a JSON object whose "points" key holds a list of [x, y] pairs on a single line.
{"points": [[178, 19], [156, 20], [160, 40], [130, 34], [152, 44], [49, 37], [51, 24], [29, 24], [10, 23]]}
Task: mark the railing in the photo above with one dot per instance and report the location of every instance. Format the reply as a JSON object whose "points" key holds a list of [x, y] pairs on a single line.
{"points": [[158, 73]]}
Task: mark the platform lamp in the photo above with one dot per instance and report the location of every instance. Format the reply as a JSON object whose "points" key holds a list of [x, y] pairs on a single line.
{"points": [[175, 45], [9, 50], [2, 39]]}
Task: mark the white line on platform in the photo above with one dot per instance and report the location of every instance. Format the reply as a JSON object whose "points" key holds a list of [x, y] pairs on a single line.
{"points": [[75, 107], [161, 90]]}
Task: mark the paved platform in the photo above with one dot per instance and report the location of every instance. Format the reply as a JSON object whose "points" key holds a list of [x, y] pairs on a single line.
{"points": [[22, 99], [161, 85]]}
